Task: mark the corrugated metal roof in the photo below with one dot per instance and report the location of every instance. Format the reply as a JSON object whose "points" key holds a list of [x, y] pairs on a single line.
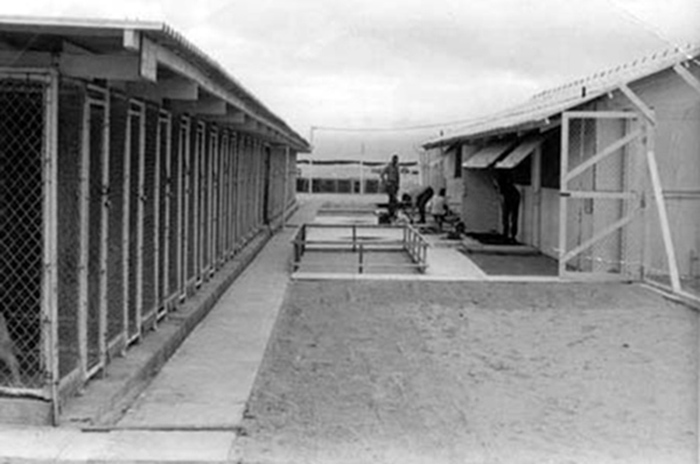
{"points": [[550, 103], [487, 155], [522, 151], [164, 35]]}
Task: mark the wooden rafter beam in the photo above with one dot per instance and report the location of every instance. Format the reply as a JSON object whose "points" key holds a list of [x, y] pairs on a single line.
{"points": [[172, 89], [641, 106], [207, 107], [688, 77]]}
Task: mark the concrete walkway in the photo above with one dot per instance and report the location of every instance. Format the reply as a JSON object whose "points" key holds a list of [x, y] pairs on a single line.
{"points": [[191, 410], [206, 383]]}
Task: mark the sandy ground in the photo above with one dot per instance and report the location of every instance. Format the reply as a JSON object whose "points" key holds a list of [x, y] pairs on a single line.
{"points": [[423, 372]]}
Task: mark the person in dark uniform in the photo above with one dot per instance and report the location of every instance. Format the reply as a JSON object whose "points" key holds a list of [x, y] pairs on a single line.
{"points": [[510, 204], [418, 197], [390, 177]]}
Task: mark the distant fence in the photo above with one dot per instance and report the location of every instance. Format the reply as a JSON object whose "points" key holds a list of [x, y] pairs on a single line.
{"points": [[330, 185]]}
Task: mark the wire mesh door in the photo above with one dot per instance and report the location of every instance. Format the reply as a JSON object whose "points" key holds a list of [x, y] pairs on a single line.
{"points": [[95, 180], [133, 233], [601, 195], [22, 150]]}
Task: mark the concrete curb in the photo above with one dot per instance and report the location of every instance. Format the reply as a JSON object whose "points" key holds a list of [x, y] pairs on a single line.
{"points": [[106, 399]]}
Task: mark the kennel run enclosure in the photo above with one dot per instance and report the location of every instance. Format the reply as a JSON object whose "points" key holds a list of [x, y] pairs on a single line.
{"points": [[113, 210]]}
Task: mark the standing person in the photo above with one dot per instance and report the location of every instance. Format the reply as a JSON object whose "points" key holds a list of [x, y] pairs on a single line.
{"points": [[390, 178], [510, 205], [439, 209]]}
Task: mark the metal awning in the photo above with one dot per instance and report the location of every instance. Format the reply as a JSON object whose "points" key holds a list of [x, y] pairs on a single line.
{"points": [[487, 156], [522, 151]]}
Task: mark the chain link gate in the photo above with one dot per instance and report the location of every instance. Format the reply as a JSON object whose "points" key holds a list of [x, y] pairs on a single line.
{"points": [[115, 262], [94, 217], [23, 146], [602, 193]]}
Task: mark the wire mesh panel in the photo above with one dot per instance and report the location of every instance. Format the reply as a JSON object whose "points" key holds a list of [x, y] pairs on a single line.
{"points": [[235, 196], [115, 258], [97, 119], [245, 190], [21, 225], [149, 199], [165, 198], [70, 126], [181, 172], [225, 197], [215, 199], [135, 140], [204, 213]]}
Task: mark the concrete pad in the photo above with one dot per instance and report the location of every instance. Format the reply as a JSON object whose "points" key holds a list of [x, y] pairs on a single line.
{"points": [[25, 411]]}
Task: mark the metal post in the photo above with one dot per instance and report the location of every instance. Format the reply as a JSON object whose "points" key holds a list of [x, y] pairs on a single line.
{"points": [[564, 169], [84, 234], [140, 215], [50, 284], [361, 258], [661, 208], [286, 187], [354, 237], [104, 227]]}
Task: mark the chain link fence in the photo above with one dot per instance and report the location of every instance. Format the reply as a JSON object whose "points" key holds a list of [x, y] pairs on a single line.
{"points": [[22, 124], [115, 235]]}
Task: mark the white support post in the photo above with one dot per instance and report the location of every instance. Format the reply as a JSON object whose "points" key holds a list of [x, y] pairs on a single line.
{"points": [[84, 252], [362, 177], [104, 230], [49, 329], [213, 189], [140, 220], [183, 160], [168, 182], [537, 196], [661, 207], [310, 177], [239, 197], [222, 200], [286, 187], [563, 191], [195, 206], [126, 218]]}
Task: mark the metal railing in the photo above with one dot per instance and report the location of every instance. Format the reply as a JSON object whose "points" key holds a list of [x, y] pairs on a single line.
{"points": [[408, 240]]}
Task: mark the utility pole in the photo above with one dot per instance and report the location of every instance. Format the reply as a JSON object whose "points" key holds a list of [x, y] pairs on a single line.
{"points": [[311, 161]]}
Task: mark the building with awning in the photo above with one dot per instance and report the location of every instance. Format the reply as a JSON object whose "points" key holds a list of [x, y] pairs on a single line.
{"points": [[607, 166]]}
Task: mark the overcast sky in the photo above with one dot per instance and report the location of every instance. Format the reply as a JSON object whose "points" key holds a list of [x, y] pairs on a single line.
{"points": [[401, 63]]}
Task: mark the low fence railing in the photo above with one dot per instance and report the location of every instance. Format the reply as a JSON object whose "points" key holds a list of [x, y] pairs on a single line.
{"points": [[407, 239]]}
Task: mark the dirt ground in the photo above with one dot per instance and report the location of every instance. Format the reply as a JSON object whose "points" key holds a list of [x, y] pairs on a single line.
{"points": [[425, 372]]}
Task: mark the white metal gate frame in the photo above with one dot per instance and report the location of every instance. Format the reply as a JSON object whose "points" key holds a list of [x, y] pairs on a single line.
{"points": [[644, 133], [49, 286], [96, 97]]}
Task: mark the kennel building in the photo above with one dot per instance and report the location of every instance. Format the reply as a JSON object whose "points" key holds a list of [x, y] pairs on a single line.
{"points": [[608, 168], [132, 167]]}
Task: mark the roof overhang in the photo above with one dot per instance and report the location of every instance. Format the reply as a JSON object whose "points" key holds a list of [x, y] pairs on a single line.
{"points": [[545, 109], [149, 60]]}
